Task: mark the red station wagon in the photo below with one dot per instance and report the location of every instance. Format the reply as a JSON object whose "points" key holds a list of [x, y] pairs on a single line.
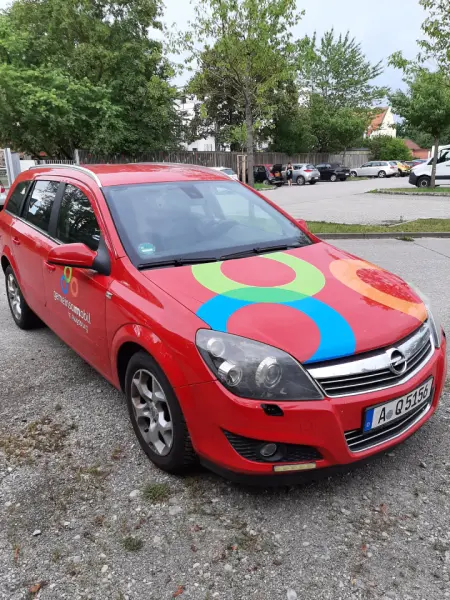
{"points": [[238, 337]]}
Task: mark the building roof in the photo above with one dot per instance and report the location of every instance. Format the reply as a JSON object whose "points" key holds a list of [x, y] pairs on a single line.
{"points": [[412, 145], [378, 119]]}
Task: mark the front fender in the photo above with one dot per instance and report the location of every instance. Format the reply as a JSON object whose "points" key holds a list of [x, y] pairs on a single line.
{"points": [[179, 371]]}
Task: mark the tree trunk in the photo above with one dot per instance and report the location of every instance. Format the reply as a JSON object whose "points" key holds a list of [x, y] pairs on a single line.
{"points": [[249, 125], [343, 156], [435, 157]]}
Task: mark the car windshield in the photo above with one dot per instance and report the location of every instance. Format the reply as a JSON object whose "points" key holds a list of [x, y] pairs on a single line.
{"points": [[228, 171], [196, 220]]}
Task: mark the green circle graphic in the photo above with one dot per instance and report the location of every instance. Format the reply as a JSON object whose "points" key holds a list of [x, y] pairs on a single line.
{"points": [[307, 282]]}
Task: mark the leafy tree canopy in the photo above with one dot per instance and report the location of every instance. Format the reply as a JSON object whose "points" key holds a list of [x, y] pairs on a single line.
{"points": [[102, 46], [385, 147]]}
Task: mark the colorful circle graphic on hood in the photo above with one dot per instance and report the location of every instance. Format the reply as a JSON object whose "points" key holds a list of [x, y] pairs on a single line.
{"points": [[336, 335], [346, 271]]}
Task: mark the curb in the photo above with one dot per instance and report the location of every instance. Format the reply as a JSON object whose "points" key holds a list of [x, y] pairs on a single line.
{"points": [[392, 193], [382, 236]]}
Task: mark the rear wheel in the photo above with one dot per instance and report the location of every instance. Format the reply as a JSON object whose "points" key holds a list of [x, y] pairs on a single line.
{"points": [[382, 174], [423, 182], [156, 415], [333, 177], [22, 314], [266, 182], [300, 180]]}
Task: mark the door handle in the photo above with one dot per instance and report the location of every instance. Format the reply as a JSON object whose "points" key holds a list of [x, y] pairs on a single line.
{"points": [[16, 241], [50, 268]]}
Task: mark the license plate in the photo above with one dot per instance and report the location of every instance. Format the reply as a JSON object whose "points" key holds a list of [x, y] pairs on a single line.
{"points": [[380, 415]]}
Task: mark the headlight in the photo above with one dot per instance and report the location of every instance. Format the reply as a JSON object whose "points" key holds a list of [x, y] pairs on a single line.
{"points": [[433, 319], [253, 370]]}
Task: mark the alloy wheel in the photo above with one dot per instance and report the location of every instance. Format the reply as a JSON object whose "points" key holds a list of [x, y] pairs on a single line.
{"points": [[152, 412], [14, 296]]}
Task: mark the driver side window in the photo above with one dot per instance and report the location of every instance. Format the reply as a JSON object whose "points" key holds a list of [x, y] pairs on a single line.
{"points": [[76, 220]]}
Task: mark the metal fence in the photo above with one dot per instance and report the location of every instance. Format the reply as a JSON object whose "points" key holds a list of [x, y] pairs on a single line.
{"points": [[351, 158]]}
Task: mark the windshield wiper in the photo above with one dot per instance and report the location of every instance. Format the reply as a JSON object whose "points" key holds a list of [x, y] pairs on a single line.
{"points": [[177, 262], [259, 250]]}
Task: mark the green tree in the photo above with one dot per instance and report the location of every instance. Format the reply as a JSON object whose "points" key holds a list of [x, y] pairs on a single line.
{"points": [[253, 53], [426, 103], [437, 29], [337, 70], [385, 147], [103, 45]]}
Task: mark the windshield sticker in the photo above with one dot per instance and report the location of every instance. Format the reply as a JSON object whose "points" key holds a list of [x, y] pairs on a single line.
{"points": [[69, 287], [146, 250]]}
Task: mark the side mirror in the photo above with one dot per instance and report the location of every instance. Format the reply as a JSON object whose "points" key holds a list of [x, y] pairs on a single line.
{"points": [[303, 224], [72, 255]]}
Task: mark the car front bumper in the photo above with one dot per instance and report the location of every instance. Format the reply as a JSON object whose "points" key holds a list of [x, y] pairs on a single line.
{"points": [[413, 178], [214, 416]]}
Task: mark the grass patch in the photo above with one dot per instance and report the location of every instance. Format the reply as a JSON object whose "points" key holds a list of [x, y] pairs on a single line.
{"points": [[261, 187], [42, 436], [422, 225], [416, 190], [156, 492], [132, 544], [358, 178]]}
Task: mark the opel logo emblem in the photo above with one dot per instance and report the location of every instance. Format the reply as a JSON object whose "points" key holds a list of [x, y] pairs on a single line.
{"points": [[397, 361]]}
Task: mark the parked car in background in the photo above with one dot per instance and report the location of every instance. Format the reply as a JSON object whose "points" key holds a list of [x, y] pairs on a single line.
{"points": [[403, 168], [302, 173], [277, 178], [420, 175], [227, 171], [333, 172], [262, 174], [375, 168], [2, 196]]}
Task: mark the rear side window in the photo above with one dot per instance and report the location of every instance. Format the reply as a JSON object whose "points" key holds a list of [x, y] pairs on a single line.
{"points": [[18, 196], [310, 167], [76, 219], [40, 204]]}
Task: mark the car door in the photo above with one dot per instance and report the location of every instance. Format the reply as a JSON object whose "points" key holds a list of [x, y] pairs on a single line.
{"points": [[364, 170], [323, 171], [76, 298], [31, 241], [443, 168]]}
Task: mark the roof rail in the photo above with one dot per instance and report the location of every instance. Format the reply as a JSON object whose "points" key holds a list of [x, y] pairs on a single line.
{"points": [[76, 167]]}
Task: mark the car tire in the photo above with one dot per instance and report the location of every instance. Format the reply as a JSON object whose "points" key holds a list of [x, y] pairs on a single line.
{"points": [[169, 446], [312, 182], [300, 180], [397, 174], [266, 182], [353, 174], [382, 174], [423, 182], [343, 179], [22, 314], [333, 177]]}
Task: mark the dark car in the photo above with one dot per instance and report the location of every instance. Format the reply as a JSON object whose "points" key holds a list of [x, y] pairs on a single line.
{"points": [[263, 174], [333, 172]]}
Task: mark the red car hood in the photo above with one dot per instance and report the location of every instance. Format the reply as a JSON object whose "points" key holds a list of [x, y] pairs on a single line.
{"points": [[316, 303]]}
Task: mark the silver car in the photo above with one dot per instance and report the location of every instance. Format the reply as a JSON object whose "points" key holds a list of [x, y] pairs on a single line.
{"points": [[376, 168], [302, 173]]}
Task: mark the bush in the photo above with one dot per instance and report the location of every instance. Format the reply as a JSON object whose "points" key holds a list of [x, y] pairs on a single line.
{"points": [[385, 147]]}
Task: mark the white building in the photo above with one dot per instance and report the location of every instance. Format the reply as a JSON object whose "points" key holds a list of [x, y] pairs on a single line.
{"points": [[187, 106], [383, 123]]}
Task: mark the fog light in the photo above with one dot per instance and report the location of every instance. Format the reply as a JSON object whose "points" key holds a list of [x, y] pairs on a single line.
{"points": [[268, 450]]}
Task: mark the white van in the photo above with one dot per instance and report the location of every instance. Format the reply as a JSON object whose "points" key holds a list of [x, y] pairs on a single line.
{"points": [[421, 175]]}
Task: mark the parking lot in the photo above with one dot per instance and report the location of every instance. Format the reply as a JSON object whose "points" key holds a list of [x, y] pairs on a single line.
{"points": [[75, 524], [348, 202]]}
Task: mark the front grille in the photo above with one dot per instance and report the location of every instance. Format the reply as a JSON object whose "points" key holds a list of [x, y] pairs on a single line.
{"points": [[370, 372], [249, 449], [358, 441]]}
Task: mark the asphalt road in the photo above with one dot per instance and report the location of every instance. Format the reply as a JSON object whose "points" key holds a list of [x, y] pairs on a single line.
{"points": [[74, 523], [348, 202]]}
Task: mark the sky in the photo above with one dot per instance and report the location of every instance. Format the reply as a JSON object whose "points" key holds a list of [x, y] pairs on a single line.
{"points": [[382, 27]]}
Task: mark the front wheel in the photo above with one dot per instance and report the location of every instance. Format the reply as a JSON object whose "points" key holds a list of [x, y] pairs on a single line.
{"points": [[22, 314], [423, 182], [312, 182], [300, 180], [353, 174], [333, 178], [266, 182], [382, 174], [156, 415]]}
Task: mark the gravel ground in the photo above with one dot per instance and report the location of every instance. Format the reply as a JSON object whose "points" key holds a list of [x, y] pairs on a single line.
{"points": [[83, 514], [348, 202]]}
